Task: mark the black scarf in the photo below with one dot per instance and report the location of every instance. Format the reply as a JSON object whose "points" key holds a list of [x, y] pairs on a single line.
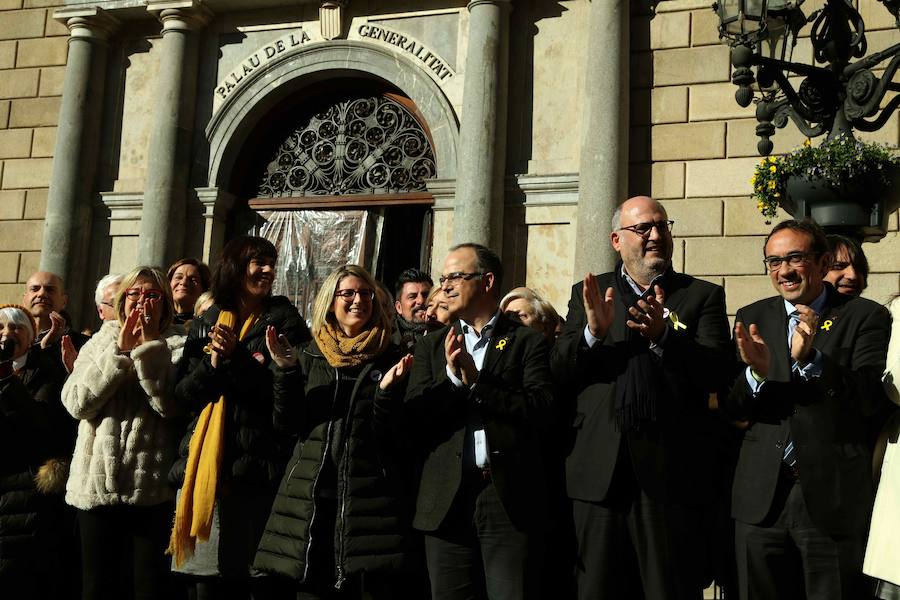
{"points": [[410, 333], [638, 386]]}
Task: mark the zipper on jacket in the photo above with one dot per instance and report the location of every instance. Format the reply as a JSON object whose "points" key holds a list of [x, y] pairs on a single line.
{"points": [[342, 486]]}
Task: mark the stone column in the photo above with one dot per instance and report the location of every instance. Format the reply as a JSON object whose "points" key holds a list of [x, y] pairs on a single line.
{"points": [[603, 177], [478, 216], [216, 204], [69, 202], [169, 157]]}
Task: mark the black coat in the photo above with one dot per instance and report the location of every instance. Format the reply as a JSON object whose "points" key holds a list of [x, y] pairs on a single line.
{"points": [[34, 427], [258, 431], [340, 425], [830, 418], [674, 457], [512, 399]]}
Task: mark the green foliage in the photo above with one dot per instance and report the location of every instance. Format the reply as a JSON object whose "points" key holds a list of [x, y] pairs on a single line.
{"points": [[834, 162]]}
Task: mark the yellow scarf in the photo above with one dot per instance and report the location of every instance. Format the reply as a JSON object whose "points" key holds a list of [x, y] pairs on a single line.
{"points": [[194, 513], [342, 351]]}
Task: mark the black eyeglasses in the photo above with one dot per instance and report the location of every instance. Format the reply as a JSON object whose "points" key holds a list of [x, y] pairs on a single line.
{"points": [[643, 229], [794, 259], [135, 294], [349, 295], [457, 276]]}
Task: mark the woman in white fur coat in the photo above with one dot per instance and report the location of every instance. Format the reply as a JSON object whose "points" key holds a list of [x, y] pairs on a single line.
{"points": [[121, 390]]}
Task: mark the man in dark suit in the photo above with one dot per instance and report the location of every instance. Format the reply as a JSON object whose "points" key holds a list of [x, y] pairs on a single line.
{"points": [[640, 353], [811, 390], [479, 394]]}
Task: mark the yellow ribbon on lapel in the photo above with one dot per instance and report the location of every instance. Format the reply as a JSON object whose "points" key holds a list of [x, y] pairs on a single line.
{"points": [[676, 324]]}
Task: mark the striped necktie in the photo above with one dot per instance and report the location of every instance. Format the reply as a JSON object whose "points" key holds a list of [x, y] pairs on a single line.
{"points": [[790, 454]]}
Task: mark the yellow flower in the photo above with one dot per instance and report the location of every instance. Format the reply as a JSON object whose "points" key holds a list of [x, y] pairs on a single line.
{"points": [[772, 159], [773, 169], [772, 185], [807, 142], [777, 195]]}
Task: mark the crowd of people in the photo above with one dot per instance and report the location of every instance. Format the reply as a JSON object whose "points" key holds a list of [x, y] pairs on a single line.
{"points": [[450, 442]]}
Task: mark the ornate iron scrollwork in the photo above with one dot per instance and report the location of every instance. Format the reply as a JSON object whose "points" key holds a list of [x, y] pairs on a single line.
{"points": [[362, 145]]}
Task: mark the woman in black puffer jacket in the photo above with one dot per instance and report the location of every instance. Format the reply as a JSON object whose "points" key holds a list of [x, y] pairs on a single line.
{"points": [[340, 525], [38, 550], [226, 362]]}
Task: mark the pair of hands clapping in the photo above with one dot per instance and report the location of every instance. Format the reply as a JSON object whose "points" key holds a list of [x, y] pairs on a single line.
{"points": [[141, 325], [285, 357], [755, 353], [646, 316]]}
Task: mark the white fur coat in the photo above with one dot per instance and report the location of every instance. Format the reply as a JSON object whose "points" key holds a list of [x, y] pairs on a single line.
{"points": [[892, 371], [126, 443]]}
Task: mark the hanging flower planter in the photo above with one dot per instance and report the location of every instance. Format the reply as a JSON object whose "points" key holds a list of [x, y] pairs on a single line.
{"points": [[844, 185]]}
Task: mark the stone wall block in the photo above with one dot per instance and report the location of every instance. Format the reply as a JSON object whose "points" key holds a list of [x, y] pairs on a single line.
{"points": [[704, 27], [9, 267], [43, 3], [35, 204], [691, 65], [744, 290], [743, 218], [12, 203], [723, 256], [28, 264], [26, 173], [28, 237], [667, 180], [700, 217], [882, 287], [43, 142], [741, 138], [34, 112], [884, 257], [7, 54], [15, 143], [10, 4], [52, 81], [669, 105], [55, 27], [42, 52], [19, 83], [21, 24], [876, 16], [670, 30], [688, 141], [4, 113], [716, 101], [719, 178]]}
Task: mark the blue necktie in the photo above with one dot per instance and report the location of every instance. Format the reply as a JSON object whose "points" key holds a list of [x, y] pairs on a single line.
{"points": [[790, 454]]}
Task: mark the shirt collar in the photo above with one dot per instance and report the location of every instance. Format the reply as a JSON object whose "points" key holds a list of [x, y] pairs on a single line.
{"points": [[485, 331], [20, 362], [818, 305]]}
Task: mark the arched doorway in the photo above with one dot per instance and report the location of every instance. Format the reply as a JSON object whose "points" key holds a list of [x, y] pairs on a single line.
{"points": [[335, 174]]}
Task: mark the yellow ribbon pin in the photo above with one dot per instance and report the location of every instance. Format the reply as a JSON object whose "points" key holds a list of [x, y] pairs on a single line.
{"points": [[501, 344], [827, 325], [676, 324]]}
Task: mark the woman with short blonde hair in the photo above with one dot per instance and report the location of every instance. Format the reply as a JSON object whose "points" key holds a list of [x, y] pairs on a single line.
{"points": [[527, 307]]}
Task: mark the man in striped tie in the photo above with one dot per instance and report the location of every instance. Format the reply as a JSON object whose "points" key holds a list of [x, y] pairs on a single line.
{"points": [[810, 389]]}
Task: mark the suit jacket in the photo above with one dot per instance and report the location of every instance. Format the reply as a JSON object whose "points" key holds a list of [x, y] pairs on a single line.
{"points": [[512, 399], [674, 457], [830, 418]]}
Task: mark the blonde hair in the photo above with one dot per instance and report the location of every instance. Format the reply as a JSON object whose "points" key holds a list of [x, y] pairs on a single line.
{"points": [[201, 300], [544, 312], [322, 307], [159, 278]]}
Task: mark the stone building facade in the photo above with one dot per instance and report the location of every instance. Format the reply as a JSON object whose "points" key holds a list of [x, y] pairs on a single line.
{"points": [[140, 131]]}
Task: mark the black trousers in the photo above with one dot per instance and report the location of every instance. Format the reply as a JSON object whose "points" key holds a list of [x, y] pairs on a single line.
{"points": [[631, 546], [123, 552], [787, 556], [478, 553]]}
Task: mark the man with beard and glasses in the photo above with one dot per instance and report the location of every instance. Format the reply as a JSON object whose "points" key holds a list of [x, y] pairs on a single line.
{"points": [[810, 388], [640, 353], [849, 270], [411, 293]]}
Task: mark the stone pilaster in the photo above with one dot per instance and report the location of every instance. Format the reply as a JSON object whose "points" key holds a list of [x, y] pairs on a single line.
{"points": [[603, 177], [69, 201], [169, 157], [478, 216], [216, 204]]}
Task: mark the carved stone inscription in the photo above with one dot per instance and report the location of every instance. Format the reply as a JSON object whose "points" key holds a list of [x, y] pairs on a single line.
{"points": [[411, 46], [259, 58]]}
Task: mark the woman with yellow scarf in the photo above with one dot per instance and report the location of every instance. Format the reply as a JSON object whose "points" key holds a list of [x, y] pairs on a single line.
{"points": [[340, 525], [235, 450]]}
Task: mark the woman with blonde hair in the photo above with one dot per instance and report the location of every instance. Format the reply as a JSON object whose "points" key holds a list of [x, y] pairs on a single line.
{"points": [[340, 524], [437, 313], [121, 391], [527, 307]]}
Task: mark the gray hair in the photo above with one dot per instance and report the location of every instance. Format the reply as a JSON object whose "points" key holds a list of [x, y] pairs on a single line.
{"points": [[616, 221], [105, 282], [17, 316]]}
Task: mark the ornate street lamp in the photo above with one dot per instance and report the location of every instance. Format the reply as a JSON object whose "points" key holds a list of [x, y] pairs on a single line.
{"points": [[836, 94]]}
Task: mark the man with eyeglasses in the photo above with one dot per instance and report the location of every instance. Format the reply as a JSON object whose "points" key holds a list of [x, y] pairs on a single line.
{"points": [[642, 349], [479, 398], [810, 388]]}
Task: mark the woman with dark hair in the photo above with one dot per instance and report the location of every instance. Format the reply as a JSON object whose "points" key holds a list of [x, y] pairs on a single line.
{"points": [[236, 448], [189, 278], [340, 525], [121, 391]]}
